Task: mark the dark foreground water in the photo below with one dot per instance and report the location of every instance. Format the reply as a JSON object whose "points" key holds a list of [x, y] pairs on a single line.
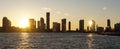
{"points": [[58, 41]]}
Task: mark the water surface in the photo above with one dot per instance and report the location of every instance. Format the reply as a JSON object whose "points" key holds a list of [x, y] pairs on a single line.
{"points": [[58, 41]]}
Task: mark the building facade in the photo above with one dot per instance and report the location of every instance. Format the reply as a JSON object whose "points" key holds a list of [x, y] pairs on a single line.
{"points": [[63, 25]]}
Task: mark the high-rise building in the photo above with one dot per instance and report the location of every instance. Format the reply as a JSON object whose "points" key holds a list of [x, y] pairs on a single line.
{"points": [[48, 21], [108, 28], [63, 25], [108, 23], [56, 27], [117, 27], [38, 25], [69, 26], [42, 24], [6, 24], [88, 28], [81, 25], [92, 27], [32, 25]]}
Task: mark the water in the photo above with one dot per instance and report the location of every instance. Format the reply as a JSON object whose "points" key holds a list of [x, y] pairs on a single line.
{"points": [[58, 41]]}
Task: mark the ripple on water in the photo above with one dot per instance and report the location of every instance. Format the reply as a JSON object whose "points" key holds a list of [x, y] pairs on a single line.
{"points": [[58, 41]]}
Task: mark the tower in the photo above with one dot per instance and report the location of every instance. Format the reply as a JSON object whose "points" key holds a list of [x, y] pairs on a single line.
{"points": [[48, 21], [81, 25], [63, 25], [69, 26]]}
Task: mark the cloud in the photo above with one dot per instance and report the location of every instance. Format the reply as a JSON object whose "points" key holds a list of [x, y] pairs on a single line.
{"points": [[46, 9], [104, 8], [66, 14]]}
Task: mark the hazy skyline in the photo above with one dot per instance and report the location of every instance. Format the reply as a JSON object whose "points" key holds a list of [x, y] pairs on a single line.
{"points": [[72, 10]]}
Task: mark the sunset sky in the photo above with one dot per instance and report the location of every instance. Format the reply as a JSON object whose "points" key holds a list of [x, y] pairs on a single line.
{"points": [[72, 10]]}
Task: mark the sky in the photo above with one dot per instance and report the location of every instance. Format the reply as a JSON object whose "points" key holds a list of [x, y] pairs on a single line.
{"points": [[72, 10]]}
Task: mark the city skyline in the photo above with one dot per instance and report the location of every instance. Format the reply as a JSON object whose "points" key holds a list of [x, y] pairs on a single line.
{"points": [[97, 10]]}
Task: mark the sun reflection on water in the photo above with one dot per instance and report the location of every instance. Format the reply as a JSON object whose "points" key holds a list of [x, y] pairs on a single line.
{"points": [[90, 41], [24, 41], [90, 35]]}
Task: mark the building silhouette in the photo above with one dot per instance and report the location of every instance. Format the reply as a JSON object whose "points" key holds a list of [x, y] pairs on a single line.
{"points": [[63, 25], [92, 27], [48, 21], [100, 29], [56, 27], [108, 23], [41, 25], [38, 25], [108, 28], [69, 26], [117, 27], [32, 25], [88, 29], [6, 24], [81, 25]]}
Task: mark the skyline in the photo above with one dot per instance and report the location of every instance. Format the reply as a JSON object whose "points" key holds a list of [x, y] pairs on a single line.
{"points": [[98, 10]]}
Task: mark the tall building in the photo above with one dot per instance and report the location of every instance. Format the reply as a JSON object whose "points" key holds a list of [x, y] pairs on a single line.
{"points": [[108, 28], [117, 27], [56, 27], [69, 26], [42, 24], [108, 23], [63, 25], [48, 21], [92, 27], [87, 28], [32, 25], [81, 25], [38, 25], [6, 24]]}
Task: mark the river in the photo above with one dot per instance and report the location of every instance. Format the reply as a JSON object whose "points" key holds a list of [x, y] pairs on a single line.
{"points": [[58, 41]]}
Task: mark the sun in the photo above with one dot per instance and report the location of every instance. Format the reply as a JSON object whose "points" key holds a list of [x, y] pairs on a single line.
{"points": [[23, 23], [90, 22]]}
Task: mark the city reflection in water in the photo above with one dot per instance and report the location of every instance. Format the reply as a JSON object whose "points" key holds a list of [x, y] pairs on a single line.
{"points": [[90, 40], [24, 41]]}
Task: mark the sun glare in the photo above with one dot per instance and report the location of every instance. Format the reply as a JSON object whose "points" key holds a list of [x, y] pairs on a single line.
{"points": [[23, 23], [90, 22]]}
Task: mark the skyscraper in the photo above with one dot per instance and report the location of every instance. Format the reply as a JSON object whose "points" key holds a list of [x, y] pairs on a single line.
{"points": [[32, 25], [108, 28], [56, 27], [6, 24], [38, 25], [63, 25], [92, 27], [69, 26], [81, 25], [48, 21], [42, 24], [108, 23], [117, 27]]}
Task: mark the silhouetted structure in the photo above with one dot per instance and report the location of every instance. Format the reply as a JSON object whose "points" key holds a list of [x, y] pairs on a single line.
{"points": [[48, 21], [92, 27], [117, 27], [32, 25], [108, 28], [6, 24], [56, 27], [38, 25], [69, 26], [81, 25], [108, 23], [100, 29], [41, 25], [87, 28], [63, 25]]}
